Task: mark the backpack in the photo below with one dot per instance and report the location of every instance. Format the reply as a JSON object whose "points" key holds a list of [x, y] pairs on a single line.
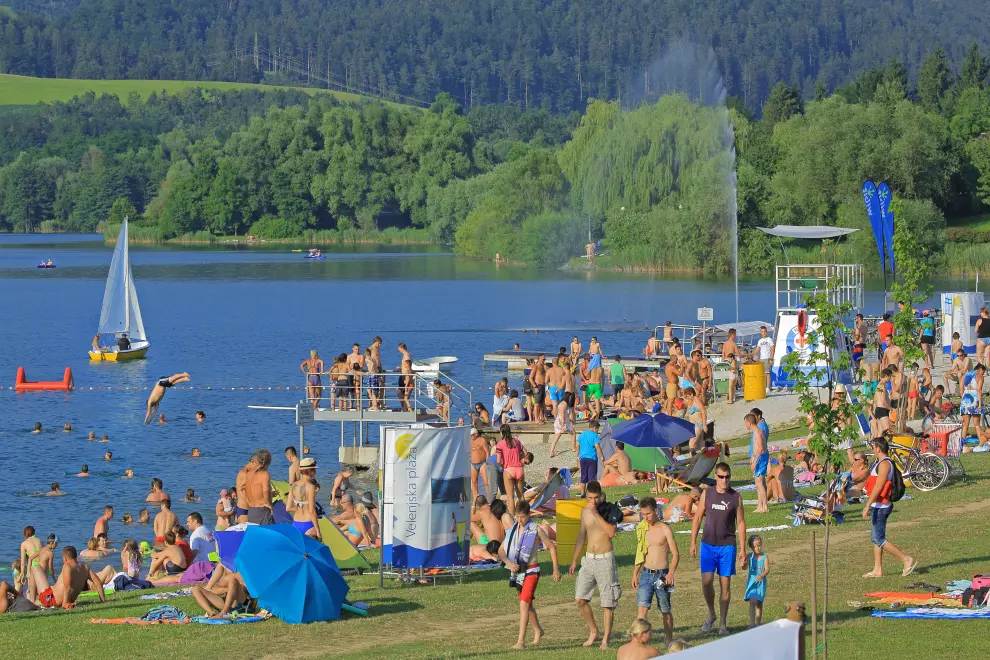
{"points": [[896, 483]]}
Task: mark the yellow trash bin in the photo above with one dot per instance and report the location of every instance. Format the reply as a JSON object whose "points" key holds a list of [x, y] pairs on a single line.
{"points": [[754, 381], [568, 526]]}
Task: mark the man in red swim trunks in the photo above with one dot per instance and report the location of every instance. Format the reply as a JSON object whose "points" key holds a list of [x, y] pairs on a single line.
{"points": [[75, 578], [519, 552]]}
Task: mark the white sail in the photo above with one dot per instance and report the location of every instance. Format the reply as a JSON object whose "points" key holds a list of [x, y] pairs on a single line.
{"points": [[121, 312]]}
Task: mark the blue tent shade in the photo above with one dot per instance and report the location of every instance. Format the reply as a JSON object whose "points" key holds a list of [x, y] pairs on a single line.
{"points": [[657, 430], [292, 575]]}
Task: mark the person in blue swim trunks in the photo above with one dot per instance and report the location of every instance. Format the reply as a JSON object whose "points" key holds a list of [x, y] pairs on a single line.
{"points": [[759, 461], [722, 506], [302, 500]]}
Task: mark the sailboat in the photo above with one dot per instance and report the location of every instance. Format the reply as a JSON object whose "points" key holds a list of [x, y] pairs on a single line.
{"points": [[121, 313]]}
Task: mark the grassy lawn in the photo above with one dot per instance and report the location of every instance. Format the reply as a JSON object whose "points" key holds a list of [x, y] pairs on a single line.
{"points": [[477, 618], [980, 222], [24, 90]]}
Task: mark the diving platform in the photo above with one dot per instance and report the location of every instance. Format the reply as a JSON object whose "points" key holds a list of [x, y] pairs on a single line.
{"points": [[382, 416], [393, 398]]}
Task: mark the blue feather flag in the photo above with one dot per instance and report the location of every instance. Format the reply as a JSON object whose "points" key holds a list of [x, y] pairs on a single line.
{"points": [[872, 201]]}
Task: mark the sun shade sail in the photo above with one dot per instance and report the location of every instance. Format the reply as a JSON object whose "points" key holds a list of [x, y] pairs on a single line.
{"points": [[794, 231]]}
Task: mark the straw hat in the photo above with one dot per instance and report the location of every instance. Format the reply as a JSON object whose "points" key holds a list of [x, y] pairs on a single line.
{"points": [[840, 389], [307, 464], [367, 499]]}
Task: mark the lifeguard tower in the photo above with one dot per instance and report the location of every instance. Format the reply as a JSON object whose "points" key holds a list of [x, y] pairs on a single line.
{"points": [[843, 283]]}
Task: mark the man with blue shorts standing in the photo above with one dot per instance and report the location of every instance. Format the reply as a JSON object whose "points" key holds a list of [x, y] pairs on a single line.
{"points": [[722, 506], [759, 460], [589, 450]]}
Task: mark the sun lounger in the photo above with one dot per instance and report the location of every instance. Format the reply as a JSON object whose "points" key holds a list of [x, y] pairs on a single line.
{"points": [[692, 474], [545, 500]]}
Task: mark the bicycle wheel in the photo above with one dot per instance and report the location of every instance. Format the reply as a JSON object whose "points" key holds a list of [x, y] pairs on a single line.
{"points": [[929, 471]]}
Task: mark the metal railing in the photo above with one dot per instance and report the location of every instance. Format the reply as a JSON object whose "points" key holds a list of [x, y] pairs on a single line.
{"points": [[843, 282], [390, 391]]}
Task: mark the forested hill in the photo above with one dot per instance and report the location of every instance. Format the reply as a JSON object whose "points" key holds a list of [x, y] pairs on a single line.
{"points": [[548, 53]]}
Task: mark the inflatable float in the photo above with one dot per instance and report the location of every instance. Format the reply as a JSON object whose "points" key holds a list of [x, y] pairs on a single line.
{"points": [[22, 384]]}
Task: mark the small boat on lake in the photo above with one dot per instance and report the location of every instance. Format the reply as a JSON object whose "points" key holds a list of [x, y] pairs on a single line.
{"points": [[120, 316], [434, 365], [48, 264]]}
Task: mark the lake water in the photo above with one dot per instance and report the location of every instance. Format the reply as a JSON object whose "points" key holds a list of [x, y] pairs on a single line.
{"points": [[247, 318]]}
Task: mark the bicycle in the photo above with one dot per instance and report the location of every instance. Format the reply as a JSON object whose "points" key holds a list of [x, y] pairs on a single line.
{"points": [[923, 470]]}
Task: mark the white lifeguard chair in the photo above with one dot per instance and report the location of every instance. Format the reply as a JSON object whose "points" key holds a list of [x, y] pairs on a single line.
{"points": [[794, 282]]}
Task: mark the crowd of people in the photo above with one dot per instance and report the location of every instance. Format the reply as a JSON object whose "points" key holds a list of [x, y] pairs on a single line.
{"points": [[358, 379], [177, 546]]}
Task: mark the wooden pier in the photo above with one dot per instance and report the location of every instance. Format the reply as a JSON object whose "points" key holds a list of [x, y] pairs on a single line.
{"points": [[516, 360]]}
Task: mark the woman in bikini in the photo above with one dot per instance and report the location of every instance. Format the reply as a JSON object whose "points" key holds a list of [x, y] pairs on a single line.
{"points": [[880, 421], [158, 392], [509, 453], [698, 415], [313, 367], [359, 531], [302, 500]]}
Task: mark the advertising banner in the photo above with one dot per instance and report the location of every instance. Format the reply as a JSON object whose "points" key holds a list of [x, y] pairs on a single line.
{"points": [[426, 492]]}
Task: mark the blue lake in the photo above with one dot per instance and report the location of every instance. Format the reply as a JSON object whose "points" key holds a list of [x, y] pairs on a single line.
{"points": [[247, 318]]}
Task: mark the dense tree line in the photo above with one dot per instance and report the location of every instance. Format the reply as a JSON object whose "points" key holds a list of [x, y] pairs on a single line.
{"points": [[553, 54], [654, 182]]}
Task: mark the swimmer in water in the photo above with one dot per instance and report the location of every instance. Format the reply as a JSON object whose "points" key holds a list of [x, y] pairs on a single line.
{"points": [[200, 416], [191, 496], [105, 438], [158, 392], [161, 419], [144, 517], [67, 428], [84, 471], [37, 427], [55, 491], [108, 456], [128, 474], [92, 436], [195, 453], [128, 519]]}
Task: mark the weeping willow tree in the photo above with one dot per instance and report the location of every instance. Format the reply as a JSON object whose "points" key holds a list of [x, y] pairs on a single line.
{"points": [[659, 176]]}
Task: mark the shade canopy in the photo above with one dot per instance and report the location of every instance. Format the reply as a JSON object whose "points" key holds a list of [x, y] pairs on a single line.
{"points": [[659, 431], [818, 231]]}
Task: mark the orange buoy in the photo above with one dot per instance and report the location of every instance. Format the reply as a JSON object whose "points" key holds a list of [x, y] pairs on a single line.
{"points": [[22, 384]]}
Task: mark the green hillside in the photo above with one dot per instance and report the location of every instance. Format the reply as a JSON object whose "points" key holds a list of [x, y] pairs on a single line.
{"points": [[25, 90]]}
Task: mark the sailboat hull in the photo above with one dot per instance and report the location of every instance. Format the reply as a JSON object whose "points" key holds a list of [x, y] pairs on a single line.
{"points": [[116, 355]]}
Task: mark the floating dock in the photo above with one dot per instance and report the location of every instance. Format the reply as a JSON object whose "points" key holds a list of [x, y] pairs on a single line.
{"points": [[516, 360]]}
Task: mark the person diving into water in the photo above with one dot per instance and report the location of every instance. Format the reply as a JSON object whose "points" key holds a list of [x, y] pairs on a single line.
{"points": [[158, 392]]}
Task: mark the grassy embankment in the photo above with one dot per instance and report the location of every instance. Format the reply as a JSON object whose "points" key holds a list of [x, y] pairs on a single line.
{"points": [[477, 618], [25, 90]]}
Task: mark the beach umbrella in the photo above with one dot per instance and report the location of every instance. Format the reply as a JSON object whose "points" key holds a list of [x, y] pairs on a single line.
{"points": [[292, 575], [228, 542], [658, 431]]}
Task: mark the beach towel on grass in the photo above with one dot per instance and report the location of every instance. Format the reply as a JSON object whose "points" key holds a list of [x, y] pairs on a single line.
{"points": [[228, 619], [165, 614], [165, 595], [933, 613]]}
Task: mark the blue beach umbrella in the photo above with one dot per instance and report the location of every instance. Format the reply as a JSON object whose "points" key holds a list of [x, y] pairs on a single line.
{"points": [[292, 575], [658, 431]]}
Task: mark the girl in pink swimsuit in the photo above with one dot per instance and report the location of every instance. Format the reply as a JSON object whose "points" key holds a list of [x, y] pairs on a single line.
{"points": [[509, 453]]}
